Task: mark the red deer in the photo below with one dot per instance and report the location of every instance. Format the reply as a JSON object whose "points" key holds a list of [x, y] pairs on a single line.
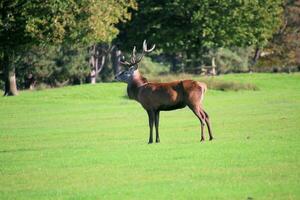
{"points": [[156, 97]]}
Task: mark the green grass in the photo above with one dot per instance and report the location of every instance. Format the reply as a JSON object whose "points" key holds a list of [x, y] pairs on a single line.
{"points": [[89, 142]]}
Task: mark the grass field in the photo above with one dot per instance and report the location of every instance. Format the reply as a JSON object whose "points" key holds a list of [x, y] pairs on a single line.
{"points": [[90, 142]]}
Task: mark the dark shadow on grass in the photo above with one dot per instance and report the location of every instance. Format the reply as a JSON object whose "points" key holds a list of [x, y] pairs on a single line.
{"points": [[126, 97]]}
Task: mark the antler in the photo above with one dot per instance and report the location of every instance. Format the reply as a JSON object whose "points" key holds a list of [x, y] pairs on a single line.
{"points": [[145, 47], [133, 56], [134, 60]]}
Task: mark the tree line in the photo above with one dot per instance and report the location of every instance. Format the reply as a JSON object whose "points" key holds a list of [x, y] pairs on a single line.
{"points": [[72, 42]]}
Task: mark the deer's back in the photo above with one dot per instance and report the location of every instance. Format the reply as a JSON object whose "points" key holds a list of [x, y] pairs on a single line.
{"points": [[169, 96]]}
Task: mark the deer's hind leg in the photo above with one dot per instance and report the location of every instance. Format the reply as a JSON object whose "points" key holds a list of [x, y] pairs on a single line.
{"points": [[207, 121], [201, 116]]}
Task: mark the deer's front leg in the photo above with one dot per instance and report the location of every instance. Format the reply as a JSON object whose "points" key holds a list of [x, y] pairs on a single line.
{"points": [[151, 119]]}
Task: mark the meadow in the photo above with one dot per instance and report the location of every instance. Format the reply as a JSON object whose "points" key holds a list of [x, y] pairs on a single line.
{"points": [[90, 142]]}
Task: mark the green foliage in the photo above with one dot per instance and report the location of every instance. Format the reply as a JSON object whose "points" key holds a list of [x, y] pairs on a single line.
{"points": [[192, 29], [150, 68], [284, 49], [200, 25], [88, 142], [54, 65], [24, 24], [83, 21], [106, 14], [231, 59]]}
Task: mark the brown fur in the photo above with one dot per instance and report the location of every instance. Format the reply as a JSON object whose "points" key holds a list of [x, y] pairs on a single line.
{"points": [[156, 97]]}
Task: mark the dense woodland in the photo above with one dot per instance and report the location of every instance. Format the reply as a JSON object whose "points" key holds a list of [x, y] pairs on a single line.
{"points": [[54, 43]]}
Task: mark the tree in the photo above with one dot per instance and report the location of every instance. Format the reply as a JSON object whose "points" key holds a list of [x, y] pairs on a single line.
{"points": [[54, 65], [99, 54], [192, 27], [285, 45], [26, 23]]}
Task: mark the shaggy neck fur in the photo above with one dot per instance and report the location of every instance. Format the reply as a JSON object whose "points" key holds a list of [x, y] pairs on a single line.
{"points": [[135, 85]]}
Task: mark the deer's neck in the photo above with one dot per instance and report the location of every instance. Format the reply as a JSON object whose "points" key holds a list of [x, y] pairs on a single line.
{"points": [[135, 85]]}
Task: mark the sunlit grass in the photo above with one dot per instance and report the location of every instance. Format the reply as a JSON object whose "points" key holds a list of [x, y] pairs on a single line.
{"points": [[89, 142]]}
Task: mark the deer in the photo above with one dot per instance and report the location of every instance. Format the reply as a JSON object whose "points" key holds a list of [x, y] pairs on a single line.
{"points": [[155, 97]]}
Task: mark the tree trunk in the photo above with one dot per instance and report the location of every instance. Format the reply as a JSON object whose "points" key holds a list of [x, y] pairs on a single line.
{"points": [[9, 76], [116, 58], [255, 58], [213, 66], [188, 60], [97, 61], [29, 82], [93, 76], [256, 55], [93, 63], [175, 62]]}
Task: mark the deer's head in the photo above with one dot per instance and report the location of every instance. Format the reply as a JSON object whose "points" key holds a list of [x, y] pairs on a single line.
{"points": [[132, 66]]}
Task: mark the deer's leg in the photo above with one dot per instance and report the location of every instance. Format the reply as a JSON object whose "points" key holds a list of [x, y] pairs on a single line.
{"points": [[201, 116], [208, 125], [151, 119], [202, 119], [156, 126]]}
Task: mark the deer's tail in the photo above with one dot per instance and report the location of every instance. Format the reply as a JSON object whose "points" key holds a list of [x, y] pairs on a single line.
{"points": [[203, 87]]}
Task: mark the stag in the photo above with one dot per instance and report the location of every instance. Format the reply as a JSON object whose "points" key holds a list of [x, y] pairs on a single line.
{"points": [[156, 97]]}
